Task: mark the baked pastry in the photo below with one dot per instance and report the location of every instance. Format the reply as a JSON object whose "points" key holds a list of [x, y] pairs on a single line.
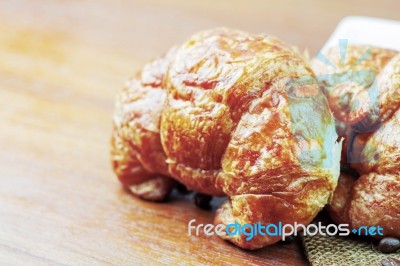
{"points": [[364, 95], [230, 113], [137, 155]]}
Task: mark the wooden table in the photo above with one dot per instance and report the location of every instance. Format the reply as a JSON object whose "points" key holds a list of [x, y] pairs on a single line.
{"points": [[61, 63]]}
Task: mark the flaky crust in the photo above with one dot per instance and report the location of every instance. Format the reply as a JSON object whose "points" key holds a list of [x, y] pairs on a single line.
{"points": [[344, 78], [369, 108], [370, 200], [137, 155], [243, 116], [340, 204]]}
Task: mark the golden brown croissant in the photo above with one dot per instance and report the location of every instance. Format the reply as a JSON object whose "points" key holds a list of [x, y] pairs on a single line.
{"points": [[365, 98], [229, 113]]}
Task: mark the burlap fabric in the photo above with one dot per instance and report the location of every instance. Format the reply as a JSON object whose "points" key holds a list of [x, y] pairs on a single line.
{"points": [[337, 250]]}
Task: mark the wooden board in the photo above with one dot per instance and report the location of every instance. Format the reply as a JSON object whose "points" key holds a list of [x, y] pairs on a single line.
{"points": [[61, 63]]}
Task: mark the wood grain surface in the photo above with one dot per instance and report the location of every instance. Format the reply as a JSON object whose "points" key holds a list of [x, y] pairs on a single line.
{"points": [[61, 63]]}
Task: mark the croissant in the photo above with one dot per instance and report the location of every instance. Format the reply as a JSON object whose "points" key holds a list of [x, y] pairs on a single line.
{"points": [[235, 114], [364, 95]]}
